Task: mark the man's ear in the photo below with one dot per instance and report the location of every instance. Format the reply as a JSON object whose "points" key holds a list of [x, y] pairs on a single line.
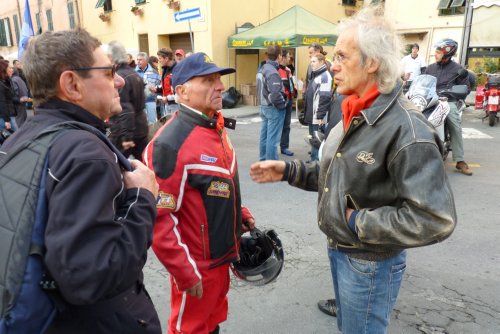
{"points": [[181, 91], [372, 65], [70, 87]]}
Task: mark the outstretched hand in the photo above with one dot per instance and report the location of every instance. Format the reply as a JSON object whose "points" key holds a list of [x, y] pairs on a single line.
{"points": [[267, 171]]}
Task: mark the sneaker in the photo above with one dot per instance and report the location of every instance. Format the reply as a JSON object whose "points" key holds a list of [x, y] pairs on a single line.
{"points": [[463, 168], [328, 306], [286, 151]]}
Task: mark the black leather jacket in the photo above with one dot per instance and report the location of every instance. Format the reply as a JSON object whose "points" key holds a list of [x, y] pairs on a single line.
{"points": [[388, 167]]}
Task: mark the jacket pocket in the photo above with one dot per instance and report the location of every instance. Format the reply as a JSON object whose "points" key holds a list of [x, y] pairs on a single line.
{"points": [[351, 203], [203, 242]]}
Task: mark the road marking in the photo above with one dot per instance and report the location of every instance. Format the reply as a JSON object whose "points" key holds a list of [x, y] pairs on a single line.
{"points": [[470, 133]]}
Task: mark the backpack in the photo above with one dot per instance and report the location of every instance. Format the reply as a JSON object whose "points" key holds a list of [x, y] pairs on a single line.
{"points": [[28, 296], [230, 98]]}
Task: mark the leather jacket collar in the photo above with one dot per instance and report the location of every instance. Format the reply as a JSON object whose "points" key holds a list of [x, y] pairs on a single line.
{"points": [[382, 104]]}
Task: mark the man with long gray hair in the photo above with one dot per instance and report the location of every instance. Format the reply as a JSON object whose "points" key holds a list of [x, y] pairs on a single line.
{"points": [[129, 129], [381, 181]]}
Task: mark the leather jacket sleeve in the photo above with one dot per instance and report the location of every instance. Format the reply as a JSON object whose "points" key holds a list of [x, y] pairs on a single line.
{"points": [[303, 175], [422, 216]]}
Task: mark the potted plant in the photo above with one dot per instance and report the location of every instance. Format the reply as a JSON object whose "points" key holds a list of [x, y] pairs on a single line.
{"points": [[105, 17], [176, 5], [137, 10]]}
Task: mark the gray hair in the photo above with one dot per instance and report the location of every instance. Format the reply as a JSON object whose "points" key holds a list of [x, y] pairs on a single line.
{"points": [[377, 40], [143, 55], [117, 53], [50, 54]]}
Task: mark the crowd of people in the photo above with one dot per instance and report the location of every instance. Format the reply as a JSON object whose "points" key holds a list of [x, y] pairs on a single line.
{"points": [[371, 172]]}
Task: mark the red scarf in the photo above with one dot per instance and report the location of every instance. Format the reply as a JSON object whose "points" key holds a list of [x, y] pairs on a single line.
{"points": [[353, 105]]}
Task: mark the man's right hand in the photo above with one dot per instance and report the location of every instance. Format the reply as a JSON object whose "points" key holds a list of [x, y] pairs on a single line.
{"points": [[140, 177], [267, 171], [196, 290]]}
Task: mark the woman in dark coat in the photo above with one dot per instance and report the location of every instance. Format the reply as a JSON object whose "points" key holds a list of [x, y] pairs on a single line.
{"points": [[7, 112], [21, 94]]}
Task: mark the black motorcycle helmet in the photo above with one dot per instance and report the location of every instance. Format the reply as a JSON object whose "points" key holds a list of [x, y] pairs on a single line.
{"points": [[261, 257], [449, 48]]}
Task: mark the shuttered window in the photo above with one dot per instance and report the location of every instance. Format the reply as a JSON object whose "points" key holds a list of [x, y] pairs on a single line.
{"points": [[443, 4]]}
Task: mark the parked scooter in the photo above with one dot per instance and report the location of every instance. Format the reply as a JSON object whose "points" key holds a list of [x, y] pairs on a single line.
{"points": [[423, 94], [491, 101], [435, 106]]}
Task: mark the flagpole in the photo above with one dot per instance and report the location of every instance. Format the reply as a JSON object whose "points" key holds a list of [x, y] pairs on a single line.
{"points": [[18, 13]]}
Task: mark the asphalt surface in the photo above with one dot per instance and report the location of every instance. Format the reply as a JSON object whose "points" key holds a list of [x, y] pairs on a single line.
{"points": [[451, 287]]}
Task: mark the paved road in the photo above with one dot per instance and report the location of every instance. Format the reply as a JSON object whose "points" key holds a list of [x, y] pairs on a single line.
{"points": [[452, 287]]}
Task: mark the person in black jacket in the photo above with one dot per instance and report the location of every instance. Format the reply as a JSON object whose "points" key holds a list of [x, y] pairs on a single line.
{"points": [[21, 97], [446, 72], [129, 129], [99, 218], [7, 111]]}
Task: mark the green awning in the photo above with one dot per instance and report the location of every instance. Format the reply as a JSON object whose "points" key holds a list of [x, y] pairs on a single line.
{"points": [[100, 3], [293, 28]]}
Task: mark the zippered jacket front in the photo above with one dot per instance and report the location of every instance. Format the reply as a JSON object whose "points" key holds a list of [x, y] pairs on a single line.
{"points": [[199, 204]]}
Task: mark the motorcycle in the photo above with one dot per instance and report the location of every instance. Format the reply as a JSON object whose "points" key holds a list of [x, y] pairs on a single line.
{"points": [[422, 93], [435, 106], [491, 91]]}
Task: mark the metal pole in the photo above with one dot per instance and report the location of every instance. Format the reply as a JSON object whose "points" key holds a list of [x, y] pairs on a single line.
{"points": [[191, 36], [466, 33]]}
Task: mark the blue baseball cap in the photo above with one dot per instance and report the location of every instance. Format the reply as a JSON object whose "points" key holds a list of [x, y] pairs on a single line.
{"points": [[196, 65]]}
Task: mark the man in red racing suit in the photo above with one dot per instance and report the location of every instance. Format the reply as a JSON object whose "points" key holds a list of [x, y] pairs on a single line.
{"points": [[200, 217]]}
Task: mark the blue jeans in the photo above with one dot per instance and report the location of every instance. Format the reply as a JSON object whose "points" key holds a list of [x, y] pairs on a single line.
{"points": [[314, 150], [151, 112], [13, 124], [168, 109], [366, 291], [270, 132], [285, 135]]}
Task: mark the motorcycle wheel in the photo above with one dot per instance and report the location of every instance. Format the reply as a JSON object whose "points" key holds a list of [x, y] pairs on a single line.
{"points": [[492, 117]]}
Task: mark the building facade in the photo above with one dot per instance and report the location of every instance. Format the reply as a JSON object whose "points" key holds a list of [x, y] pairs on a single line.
{"points": [[46, 15]]}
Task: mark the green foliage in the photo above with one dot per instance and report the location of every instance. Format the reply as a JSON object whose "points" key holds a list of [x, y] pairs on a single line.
{"points": [[491, 65]]}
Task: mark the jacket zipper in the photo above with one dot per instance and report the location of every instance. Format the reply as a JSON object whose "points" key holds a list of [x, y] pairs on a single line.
{"points": [[234, 199], [203, 241]]}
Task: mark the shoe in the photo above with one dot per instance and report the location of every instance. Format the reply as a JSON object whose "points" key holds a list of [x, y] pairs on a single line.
{"points": [[286, 151], [328, 306], [463, 168]]}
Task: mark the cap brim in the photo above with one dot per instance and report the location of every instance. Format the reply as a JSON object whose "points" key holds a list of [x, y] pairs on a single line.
{"points": [[216, 69]]}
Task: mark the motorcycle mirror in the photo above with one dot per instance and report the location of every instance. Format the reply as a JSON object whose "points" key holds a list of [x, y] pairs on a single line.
{"points": [[463, 73]]}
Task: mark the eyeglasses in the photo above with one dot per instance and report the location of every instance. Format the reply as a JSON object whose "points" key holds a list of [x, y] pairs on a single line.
{"points": [[339, 58], [112, 68]]}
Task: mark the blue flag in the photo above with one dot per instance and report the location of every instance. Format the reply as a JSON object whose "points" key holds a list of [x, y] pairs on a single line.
{"points": [[27, 31]]}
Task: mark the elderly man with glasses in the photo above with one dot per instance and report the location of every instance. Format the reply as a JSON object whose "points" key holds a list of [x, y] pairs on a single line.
{"points": [[382, 186]]}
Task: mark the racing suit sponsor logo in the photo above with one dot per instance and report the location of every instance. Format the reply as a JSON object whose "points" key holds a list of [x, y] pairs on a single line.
{"points": [[165, 201], [219, 189], [207, 158], [365, 157]]}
